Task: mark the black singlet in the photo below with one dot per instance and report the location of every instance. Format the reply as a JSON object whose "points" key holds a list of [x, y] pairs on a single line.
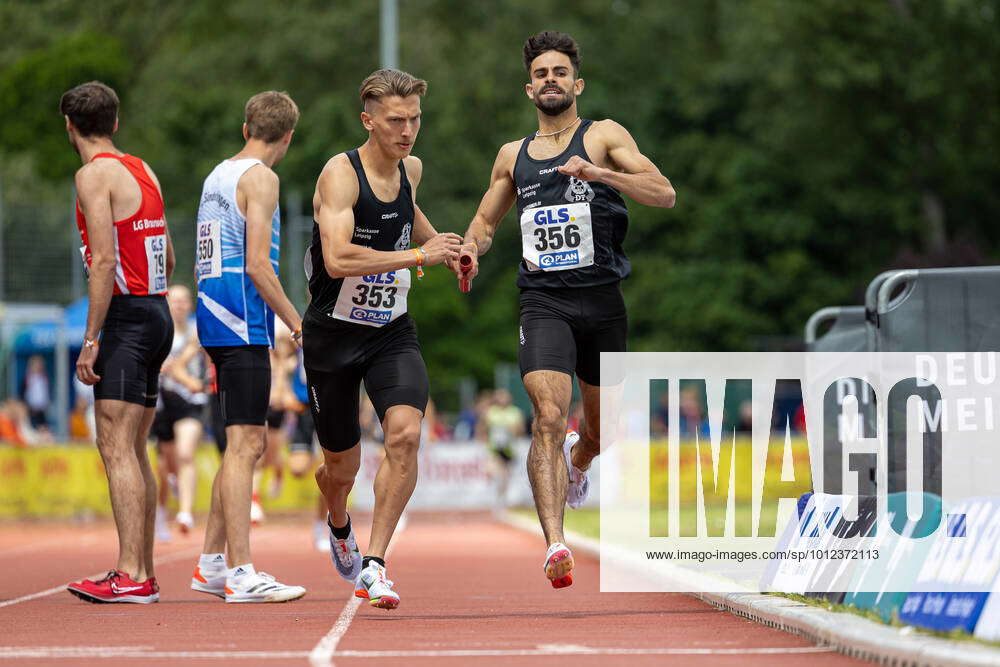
{"points": [[378, 225], [557, 240]]}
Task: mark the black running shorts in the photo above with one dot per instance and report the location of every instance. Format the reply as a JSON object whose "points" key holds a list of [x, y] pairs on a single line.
{"points": [[216, 423], [135, 341], [338, 358], [243, 374], [305, 429], [275, 418], [172, 409], [566, 329]]}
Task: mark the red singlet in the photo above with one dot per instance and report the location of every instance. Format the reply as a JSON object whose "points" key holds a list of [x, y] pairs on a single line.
{"points": [[140, 240]]}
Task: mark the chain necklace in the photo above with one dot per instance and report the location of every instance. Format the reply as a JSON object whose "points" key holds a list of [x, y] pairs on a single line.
{"points": [[552, 134]]}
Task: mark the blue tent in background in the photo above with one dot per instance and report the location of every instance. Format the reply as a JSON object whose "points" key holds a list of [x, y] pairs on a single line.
{"points": [[40, 338]]}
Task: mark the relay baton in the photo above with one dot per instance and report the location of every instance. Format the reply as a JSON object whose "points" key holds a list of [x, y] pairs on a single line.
{"points": [[465, 263]]}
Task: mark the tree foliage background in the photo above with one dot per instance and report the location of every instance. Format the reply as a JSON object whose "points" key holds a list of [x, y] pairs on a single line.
{"points": [[812, 144]]}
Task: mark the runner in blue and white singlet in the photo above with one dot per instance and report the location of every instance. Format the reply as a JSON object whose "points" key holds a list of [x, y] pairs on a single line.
{"points": [[230, 310], [239, 295]]}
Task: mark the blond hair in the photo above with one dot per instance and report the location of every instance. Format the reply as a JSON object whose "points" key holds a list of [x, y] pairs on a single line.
{"points": [[270, 115], [386, 82]]}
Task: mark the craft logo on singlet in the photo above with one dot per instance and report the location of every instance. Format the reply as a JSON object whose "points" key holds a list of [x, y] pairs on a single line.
{"points": [[578, 190], [564, 258], [374, 316]]}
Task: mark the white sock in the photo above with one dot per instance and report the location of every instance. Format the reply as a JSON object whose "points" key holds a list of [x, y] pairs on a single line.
{"points": [[247, 569], [212, 561]]}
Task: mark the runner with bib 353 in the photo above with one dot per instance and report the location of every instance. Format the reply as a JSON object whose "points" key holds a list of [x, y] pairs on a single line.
{"points": [[565, 179], [357, 328]]}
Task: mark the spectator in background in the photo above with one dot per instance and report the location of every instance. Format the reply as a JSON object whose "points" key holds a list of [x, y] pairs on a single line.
{"points": [[660, 422], [83, 425], [470, 419], [745, 424], [14, 423], [692, 414], [504, 423], [36, 393]]}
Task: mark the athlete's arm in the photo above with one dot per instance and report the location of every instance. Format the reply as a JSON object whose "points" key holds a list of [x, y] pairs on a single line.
{"points": [[178, 368], [336, 193], [635, 174], [93, 186], [496, 202], [258, 192]]}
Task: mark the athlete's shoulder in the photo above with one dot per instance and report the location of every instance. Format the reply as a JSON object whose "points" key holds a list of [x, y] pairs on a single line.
{"points": [[510, 148], [609, 129], [414, 167], [337, 164], [338, 177], [260, 175], [507, 155], [95, 174], [413, 164], [149, 171]]}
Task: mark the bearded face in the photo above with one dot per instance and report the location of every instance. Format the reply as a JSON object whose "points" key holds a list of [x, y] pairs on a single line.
{"points": [[553, 100]]}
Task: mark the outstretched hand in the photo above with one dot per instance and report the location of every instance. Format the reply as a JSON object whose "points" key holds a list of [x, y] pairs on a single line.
{"points": [[442, 249]]}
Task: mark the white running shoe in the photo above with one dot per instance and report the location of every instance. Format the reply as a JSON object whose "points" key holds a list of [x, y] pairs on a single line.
{"points": [[345, 554], [185, 522], [162, 528], [320, 536], [210, 579], [579, 481], [259, 587], [373, 586], [256, 513], [558, 565]]}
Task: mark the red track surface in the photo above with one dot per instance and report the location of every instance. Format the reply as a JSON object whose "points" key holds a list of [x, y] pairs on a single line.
{"points": [[472, 592]]}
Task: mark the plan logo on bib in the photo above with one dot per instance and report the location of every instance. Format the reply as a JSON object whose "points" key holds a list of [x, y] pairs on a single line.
{"points": [[578, 190], [404, 238]]}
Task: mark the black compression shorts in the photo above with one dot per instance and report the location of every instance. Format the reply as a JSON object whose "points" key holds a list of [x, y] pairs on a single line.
{"points": [[135, 341], [275, 418], [337, 359], [305, 429], [566, 329], [216, 423], [173, 408], [244, 379]]}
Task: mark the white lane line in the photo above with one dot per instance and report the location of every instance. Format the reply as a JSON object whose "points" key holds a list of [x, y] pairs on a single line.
{"points": [[78, 652], [55, 589], [322, 654], [83, 541]]}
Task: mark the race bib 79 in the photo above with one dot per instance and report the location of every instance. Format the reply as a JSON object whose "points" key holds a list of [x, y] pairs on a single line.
{"points": [[156, 261]]}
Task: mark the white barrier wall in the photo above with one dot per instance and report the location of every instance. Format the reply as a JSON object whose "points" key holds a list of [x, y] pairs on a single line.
{"points": [[458, 475]]}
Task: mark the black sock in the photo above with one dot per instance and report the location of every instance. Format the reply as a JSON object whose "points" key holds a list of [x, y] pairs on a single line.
{"points": [[369, 559], [340, 533]]}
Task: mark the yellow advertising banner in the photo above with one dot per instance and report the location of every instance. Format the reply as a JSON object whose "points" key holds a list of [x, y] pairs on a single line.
{"points": [[70, 482]]}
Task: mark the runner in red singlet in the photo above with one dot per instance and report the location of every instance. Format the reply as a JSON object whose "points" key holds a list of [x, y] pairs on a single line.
{"points": [[129, 257]]}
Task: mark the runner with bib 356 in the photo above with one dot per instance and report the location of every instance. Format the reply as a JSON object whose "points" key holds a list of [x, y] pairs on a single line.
{"points": [[566, 179]]}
